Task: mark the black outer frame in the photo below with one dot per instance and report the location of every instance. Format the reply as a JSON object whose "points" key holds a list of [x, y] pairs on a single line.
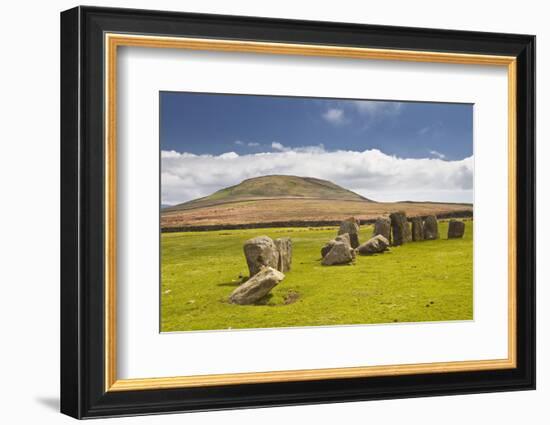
{"points": [[82, 204]]}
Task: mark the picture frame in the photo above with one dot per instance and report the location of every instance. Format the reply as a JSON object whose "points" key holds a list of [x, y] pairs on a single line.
{"points": [[90, 40]]}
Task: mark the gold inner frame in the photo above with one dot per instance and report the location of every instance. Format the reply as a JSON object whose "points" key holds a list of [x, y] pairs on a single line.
{"points": [[113, 41]]}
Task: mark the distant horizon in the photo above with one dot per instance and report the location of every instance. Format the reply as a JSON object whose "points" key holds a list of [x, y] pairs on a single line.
{"points": [[387, 151]]}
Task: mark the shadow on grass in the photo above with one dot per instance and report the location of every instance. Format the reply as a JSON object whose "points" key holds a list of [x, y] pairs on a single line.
{"points": [[232, 283], [264, 300]]}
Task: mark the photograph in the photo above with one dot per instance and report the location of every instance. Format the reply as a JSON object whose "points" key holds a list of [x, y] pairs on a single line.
{"points": [[286, 211]]}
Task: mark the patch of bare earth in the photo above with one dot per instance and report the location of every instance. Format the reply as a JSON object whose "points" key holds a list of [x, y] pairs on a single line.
{"points": [[291, 297]]}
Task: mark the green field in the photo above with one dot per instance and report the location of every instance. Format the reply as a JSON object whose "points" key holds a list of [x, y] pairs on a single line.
{"points": [[419, 281]]}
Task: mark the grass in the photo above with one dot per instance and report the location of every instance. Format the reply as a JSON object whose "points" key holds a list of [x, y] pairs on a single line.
{"points": [[419, 281]]}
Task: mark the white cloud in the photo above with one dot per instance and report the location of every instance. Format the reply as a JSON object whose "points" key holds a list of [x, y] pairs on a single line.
{"points": [[366, 112], [371, 173], [438, 154], [249, 144], [279, 147], [377, 109], [335, 116]]}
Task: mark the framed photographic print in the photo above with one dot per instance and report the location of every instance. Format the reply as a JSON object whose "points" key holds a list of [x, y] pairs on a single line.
{"points": [[261, 212]]}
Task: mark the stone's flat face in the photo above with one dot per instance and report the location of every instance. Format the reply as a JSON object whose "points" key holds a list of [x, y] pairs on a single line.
{"points": [[401, 232], [417, 229], [431, 229], [456, 229], [343, 238], [257, 287], [382, 226], [340, 253], [260, 252], [374, 245], [351, 227], [284, 246]]}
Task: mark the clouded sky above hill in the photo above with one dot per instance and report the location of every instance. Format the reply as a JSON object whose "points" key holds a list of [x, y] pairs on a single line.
{"points": [[386, 151]]}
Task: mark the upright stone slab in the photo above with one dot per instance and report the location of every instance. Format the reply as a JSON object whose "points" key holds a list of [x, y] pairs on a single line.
{"points": [[260, 252], [257, 287], [382, 226], [456, 229], [431, 228], [417, 229], [284, 246], [351, 227], [401, 232]]}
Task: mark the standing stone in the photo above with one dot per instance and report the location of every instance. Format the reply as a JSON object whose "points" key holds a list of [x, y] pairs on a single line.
{"points": [[456, 229], [382, 226], [284, 246], [374, 245], [401, 232], [351, 227], [417, 229], [340, 253], [431, 228], [260, 252], [257, 287]]}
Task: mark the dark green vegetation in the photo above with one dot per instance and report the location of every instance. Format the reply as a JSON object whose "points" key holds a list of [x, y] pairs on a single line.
{"points": [[419, 281], [275, 187]]}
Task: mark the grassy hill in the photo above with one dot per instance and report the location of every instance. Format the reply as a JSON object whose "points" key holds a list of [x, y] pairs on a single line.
{"points": [[274, 187], [289, 200]]}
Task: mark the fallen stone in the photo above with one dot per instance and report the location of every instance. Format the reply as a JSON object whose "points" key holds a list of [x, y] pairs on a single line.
{"points": [[431, 228], [382, 226], [344, 238], [326, 249], [417, 229], [340, 253], [284, 246], [260, 252], [401, 232], [456, 229], [340, 238], [351, 227], [374, 245], [257, 287]]}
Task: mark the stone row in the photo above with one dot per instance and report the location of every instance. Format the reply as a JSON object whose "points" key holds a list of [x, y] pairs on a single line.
{"points": [[269, 259], [388, 231]]}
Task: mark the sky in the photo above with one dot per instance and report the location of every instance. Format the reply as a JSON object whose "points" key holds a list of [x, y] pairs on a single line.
{"points": [[384, 150]]}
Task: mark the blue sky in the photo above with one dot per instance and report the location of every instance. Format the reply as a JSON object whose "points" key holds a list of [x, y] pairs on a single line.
{"points": [[213, 123], [378, 146]]}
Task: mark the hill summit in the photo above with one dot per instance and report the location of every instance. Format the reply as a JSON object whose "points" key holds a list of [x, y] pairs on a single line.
{"points": [[275, 187]]}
